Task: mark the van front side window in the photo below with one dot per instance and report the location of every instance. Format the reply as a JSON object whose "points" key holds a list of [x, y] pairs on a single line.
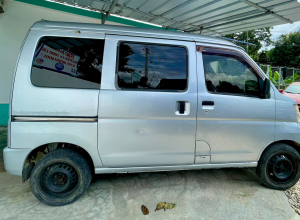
{"points": [[65, 62], [227, 73], [152, 67]]}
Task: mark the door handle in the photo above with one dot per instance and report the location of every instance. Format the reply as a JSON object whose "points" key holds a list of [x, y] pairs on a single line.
{"points": [[208, 105], [182, 108]]}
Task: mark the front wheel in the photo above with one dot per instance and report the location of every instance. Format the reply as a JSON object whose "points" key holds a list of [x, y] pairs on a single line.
{"points": [[60, 177], [279, 167]]}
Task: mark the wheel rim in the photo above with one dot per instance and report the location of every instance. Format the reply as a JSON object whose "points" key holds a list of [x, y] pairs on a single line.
{"points": [[58, 180], [282, 168]]}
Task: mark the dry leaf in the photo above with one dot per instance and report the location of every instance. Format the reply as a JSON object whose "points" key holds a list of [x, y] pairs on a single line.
{"points": [[145, 211], [160, 206], [169, 206]]}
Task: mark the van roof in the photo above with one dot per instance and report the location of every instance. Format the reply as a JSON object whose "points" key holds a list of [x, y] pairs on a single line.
{"points": [[129, 31]]}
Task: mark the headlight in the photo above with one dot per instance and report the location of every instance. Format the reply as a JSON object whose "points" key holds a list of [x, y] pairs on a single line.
{"points": [[297, 112]]}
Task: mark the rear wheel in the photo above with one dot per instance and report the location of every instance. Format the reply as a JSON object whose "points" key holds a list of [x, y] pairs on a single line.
{"points": [[60, 177], [279, 167]]}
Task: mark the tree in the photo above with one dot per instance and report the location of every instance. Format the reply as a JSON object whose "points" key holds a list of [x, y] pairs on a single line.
{"points": [[262, 58], [124, 52], [269, 55], [286, 51], [91, 57], [257, 36]]}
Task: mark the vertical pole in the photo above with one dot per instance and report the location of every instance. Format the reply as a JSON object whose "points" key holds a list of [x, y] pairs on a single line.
{"points": [[247, 42], [268, 71], [279, 77], [293, 74], [103, 18]]}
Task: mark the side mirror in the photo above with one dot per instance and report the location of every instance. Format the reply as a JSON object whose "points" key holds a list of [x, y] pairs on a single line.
{"points": [[280, 90], [265, 87], [284, 73]]}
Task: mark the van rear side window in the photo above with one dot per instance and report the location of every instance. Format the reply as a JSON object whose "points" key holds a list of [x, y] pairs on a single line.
{"points": [[65, 62], [144, 66]]}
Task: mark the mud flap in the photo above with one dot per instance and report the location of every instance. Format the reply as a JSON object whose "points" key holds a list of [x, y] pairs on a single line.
{"points": [[27, 171]]}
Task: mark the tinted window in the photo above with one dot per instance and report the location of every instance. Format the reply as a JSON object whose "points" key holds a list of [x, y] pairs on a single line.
{"points": [[68, 63], [152, 67], [226, 73]]}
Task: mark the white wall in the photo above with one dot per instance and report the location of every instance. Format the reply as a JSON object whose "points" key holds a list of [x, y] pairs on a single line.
{"points": [[14, 23]]}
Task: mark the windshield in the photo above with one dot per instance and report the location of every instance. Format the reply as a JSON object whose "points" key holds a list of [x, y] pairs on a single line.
{"points": [[293, 89]]}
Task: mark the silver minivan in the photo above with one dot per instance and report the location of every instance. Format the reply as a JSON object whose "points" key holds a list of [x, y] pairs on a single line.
{"points": [[90, 99]]}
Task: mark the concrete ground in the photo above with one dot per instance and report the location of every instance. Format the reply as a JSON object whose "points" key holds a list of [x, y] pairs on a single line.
{"points": [[203, 194]]}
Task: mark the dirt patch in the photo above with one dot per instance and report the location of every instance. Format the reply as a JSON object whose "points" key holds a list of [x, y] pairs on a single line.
{"points": [[293, 195]]}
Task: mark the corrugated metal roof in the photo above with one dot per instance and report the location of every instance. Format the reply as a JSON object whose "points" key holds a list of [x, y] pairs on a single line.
{"points": [[210, 17]]}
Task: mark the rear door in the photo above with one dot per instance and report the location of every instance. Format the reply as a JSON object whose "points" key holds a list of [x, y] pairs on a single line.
{"points": [[147, 102]]}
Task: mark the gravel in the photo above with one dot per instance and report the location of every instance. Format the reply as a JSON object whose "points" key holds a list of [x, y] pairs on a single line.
{"points": [[293, 195]]}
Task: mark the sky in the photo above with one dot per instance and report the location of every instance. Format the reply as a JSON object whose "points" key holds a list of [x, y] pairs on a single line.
{"points": [[282, 29]]}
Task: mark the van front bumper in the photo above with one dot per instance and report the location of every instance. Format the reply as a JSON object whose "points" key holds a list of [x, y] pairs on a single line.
{"points": [[14, 159]]}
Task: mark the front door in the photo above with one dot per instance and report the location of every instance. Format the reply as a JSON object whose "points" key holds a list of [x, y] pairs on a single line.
{"points": [[232, 117], [147, 102]]}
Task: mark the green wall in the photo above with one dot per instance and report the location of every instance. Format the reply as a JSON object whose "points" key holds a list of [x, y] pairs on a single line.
{"points": [[91, 14], [4, 109]]}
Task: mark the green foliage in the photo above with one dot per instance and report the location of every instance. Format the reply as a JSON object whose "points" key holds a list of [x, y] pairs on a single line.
{"points": [[262, 58], [273, 81], [297, 76], [270, 72], [257, 36], [274, 78], [286, 51], [289, 80]]}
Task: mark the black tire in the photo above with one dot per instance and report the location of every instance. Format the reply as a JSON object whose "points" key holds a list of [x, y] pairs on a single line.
{"points": [[279, 166], [60, 177]]}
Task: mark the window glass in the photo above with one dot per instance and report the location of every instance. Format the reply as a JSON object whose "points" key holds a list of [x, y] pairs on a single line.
{"points": [[293, 89], [152, 67], [226, 73], [64, 62]]}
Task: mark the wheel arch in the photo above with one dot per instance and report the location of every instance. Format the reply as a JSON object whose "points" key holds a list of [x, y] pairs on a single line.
{"points": [[291, 143], [35, 155]]}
